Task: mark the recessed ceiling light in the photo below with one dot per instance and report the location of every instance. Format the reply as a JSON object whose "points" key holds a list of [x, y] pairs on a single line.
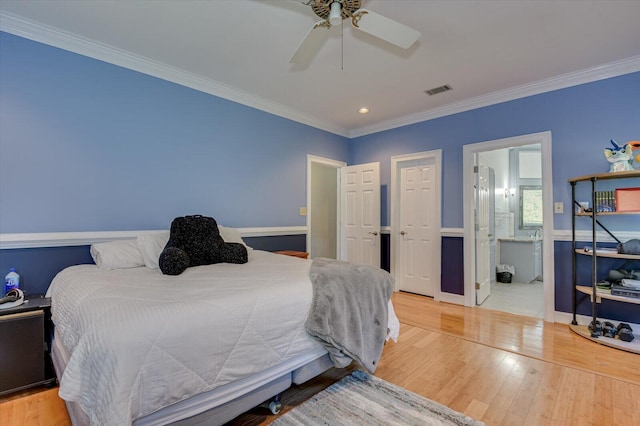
{"points": [[363, 110]]}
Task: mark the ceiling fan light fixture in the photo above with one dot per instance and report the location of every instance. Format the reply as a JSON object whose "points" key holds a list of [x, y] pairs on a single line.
{"points": [[335, 17], [363, 110]]}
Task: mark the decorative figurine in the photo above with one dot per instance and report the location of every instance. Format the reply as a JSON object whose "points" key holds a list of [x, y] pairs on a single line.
{"points": [[619, 157], [635, 154]]}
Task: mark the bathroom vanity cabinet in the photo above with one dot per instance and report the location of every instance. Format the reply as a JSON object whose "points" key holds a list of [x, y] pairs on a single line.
{"points": [[525, 255]]}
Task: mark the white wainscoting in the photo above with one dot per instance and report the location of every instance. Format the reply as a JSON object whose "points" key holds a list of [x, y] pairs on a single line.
{"points": [[64, 239]]}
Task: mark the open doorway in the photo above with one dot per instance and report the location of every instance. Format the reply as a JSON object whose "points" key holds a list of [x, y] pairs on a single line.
{"points": [[514, 230], [520, 229], [323, 189]]}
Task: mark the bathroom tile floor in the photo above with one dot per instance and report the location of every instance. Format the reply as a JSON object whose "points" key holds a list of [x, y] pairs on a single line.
{"points": [[516, 298]]}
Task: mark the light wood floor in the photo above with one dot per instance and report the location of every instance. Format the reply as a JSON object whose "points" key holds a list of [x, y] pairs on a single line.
{"points": [[497, 367]]}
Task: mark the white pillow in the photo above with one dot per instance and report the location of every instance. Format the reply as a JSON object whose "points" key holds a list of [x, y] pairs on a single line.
{"points": [[151, 245], [231, 235], [118, 254]]}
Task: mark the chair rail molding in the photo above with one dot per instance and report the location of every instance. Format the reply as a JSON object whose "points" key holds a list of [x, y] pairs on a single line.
{"points": [[63, 239]]}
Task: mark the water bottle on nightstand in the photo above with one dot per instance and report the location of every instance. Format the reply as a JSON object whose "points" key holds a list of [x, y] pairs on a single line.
{"points": [[11, 280]]}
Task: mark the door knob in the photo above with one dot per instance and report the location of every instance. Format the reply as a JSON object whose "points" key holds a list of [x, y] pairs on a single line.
{"points": [[374, 233], [403, 233]]}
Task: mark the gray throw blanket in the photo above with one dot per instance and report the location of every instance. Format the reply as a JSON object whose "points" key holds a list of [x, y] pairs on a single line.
{"points": [[349, 310]]}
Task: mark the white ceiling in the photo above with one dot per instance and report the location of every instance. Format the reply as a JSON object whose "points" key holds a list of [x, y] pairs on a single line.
{"points": [[488, 51]]}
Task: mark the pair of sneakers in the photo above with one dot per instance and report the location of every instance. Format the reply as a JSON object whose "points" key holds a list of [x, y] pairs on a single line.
{"points": [[623, 330]]}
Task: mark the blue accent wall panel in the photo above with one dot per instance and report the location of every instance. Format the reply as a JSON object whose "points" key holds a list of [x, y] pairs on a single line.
{"points": [[90, 146], [280, 242], [564, 284], [38, 266], [385, 252], [452, 268]]}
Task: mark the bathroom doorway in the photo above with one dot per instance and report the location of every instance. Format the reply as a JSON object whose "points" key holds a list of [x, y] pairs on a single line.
{"points": [[521, 220], [516, 198]]}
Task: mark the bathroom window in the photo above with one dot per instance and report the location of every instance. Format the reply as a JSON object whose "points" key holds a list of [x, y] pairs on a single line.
{"points": [[530, 206]]}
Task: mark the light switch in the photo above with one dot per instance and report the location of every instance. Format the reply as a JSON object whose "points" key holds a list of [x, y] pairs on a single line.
{"points": [[303, 211], [558, 207]]}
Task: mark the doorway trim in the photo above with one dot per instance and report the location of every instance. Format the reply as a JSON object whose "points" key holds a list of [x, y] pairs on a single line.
{"points": [[469, 151], [396, 166], [330, 163]]}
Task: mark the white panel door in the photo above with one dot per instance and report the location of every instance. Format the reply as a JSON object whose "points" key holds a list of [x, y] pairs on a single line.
{"points": [[418, 230], [360, 227], [483, 259]]}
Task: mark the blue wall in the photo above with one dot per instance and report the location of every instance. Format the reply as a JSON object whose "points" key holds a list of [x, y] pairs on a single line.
{"points": [[582, 120], [89, 146]]}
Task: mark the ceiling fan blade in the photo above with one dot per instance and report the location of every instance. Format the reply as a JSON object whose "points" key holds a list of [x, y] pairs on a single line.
{"points": [[312, 42], [387, 29]]}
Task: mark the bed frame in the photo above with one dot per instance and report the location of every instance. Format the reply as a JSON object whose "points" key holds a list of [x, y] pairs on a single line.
{"points": [[219, 405]]}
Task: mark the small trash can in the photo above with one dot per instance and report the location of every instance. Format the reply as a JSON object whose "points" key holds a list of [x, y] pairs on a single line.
{"points": [[504, 273]]}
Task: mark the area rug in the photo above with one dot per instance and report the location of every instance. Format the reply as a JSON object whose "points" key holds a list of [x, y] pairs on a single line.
{"points": [[362, 399]]}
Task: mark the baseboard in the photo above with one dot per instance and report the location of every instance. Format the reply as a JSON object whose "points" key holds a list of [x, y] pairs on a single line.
{"points": [[456, 299]]}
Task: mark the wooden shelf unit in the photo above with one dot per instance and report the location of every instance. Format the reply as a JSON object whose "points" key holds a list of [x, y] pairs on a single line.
{"points": [[606, 294], [612, 255], [592, 289], [607, 176], [607, 213]]}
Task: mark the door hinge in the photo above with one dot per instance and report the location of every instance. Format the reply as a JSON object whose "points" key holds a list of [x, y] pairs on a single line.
{"points": [[475, 169], [477, 227], [477, 286]]}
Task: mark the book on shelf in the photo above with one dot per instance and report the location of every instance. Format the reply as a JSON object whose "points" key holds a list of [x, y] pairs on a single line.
{"points": [[605, 201], [619, 290]]}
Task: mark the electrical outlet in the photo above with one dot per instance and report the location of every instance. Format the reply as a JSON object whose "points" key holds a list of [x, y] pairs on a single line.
{"points": [[558, 207]]}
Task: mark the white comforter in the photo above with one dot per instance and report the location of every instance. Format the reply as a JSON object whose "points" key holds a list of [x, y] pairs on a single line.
{"points": [[140, 340]]}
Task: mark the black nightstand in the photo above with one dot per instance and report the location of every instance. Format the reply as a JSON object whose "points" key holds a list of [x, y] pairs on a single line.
{"points": [[24, 345]]}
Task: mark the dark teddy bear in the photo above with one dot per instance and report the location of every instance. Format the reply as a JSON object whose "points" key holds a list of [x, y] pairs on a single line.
{"points": [[195, 240]]}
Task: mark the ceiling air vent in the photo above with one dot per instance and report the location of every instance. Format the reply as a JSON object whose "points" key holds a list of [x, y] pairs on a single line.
{"points": [[437, 90]]}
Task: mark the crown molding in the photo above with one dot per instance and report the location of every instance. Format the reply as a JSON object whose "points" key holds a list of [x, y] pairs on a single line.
{"points": [[51, 36], [588, 75]]}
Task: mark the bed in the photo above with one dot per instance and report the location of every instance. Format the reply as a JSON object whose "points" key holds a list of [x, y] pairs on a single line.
{"points": [[133, 346]]}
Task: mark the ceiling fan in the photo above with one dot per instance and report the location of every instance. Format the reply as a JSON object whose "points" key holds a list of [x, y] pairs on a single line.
{"points": [[333, 12]]}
